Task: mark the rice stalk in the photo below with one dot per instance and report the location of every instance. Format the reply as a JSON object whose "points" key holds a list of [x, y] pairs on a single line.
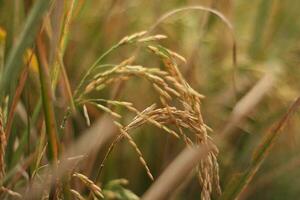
{"points": [[50, 120], [90, 140], [136, 37], [3, 143], [170, 85], [97, 191], [59, 64], [12, 66], [19, 89], [216, 13], [237, 186], [126, 135]]}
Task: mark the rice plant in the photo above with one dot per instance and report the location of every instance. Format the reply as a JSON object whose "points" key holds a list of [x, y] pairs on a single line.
{"points": [[149, 100]]}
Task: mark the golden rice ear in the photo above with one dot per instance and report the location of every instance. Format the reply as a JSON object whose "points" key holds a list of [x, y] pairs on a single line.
{"points": [[179, 106], [76, 194], [86, 115], [132, 38], [152, 38], [96, 190], [176, 55]]}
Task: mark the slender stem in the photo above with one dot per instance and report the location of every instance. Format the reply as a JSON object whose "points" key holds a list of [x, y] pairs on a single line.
{"points": [[47, 103], [238, 185], [12, 66], [87, 74]]}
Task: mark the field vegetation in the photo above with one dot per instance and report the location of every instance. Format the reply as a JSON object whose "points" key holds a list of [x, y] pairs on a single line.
{"points": [[154, 100]]}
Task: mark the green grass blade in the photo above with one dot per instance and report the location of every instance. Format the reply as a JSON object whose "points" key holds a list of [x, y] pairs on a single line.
{"points": [[12, 66], [60, 66], [21, 148], [48, 107]]}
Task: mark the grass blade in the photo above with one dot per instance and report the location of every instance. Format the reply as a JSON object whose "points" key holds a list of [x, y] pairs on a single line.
{"points": [[93, 138], [16, 98], [12, 66], [50, 121], [240, 183], [61, 50]]}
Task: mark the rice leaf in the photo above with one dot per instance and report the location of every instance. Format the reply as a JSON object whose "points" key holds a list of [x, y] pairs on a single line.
{"points": [[48, 107], [240, 182], [12, 66]]}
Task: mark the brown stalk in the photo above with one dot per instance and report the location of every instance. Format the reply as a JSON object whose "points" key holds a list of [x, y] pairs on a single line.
{"points": [[19, 89], [47, 97]]}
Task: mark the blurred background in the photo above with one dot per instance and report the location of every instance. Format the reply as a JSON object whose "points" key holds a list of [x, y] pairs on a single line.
{"points": [[267, 34]]}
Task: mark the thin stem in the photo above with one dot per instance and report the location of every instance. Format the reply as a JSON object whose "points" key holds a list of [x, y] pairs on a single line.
{"points": [[87, 74], [47, 103]]}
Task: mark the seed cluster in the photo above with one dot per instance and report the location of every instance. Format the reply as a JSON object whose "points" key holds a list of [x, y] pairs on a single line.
{"points": [[179, 107]]}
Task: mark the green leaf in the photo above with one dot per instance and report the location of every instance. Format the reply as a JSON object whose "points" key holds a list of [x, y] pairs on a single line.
{"points": [[115, 190], [13, 64]]}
